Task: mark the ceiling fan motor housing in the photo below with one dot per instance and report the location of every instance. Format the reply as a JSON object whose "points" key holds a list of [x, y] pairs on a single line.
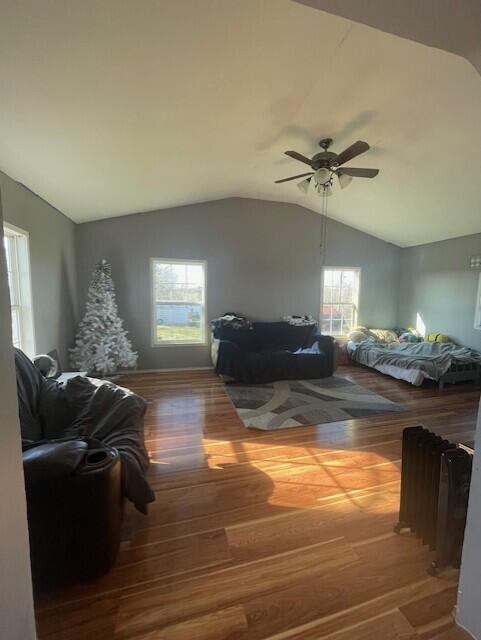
{"points": [[322, 159]]}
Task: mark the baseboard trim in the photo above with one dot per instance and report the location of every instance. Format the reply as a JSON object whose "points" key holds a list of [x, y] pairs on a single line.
{"points": [[133, 371], [455, 612]]}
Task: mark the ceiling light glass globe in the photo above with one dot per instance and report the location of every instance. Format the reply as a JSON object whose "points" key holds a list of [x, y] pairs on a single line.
{"points": [[322, 176]]}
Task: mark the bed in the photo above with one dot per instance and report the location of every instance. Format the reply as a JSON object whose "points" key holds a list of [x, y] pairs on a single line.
{"points": [[419, 361]]}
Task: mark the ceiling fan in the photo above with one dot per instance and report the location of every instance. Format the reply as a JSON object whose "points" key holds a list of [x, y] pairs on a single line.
{"points": [[326, 164]]}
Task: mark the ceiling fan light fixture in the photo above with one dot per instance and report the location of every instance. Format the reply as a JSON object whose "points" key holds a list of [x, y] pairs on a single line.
{"points": [[322, 176], [326, 164], [304, 185], [344, 180]]}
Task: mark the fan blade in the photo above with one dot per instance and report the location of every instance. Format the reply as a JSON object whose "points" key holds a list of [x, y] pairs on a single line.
{"points": [[351, 152], [301, 175], [358, 173], [298, 156]]}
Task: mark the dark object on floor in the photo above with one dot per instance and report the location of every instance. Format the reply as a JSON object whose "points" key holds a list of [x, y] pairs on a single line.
{"points": [[83, 444], [294, 403], [74, 508], [435, 479], [273, 351]]}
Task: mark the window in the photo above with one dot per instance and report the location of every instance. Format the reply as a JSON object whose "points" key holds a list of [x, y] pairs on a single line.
{"points": [[339, 300], [477, 315], [178, 302], [18, 270]]}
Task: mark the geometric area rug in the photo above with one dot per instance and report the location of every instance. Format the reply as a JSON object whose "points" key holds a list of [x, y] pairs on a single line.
{"points": [[295, 403]]}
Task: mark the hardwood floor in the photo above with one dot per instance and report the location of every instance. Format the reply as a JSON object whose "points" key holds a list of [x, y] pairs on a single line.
{"points": [[282, 535]]}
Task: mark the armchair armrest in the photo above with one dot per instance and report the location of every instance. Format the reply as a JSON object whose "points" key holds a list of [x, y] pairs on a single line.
{"points": [[56, 459]]}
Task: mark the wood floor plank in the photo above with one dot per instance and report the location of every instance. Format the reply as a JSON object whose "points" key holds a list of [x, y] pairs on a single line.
{"points": [[226, 624], [388, 626], [144, 564], [386, 566], [226, 587], [430, 608], [454, 633], [91, 618], [365, 610], [280, 535]]}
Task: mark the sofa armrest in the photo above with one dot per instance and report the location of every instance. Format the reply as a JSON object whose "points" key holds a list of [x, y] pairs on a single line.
{"points": [[50, 460], [229, 360], [325, 342], [328, 346]]}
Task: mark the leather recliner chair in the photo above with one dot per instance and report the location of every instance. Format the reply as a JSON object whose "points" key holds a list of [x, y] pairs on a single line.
{"points": [[74, 508], [83, 452]]}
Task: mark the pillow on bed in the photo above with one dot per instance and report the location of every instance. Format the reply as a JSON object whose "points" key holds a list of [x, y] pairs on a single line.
{"points": [[357, 335], [437, 337], [409, 337], [385, 335]]}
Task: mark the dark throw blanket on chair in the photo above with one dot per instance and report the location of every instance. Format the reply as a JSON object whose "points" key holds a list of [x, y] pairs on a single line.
{"points": [[86, 408]]}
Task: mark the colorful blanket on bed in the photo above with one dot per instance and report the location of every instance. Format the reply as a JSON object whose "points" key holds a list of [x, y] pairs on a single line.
{"points": [[433, 358]]}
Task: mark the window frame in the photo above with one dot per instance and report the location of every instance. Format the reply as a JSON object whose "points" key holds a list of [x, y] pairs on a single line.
{"points": [[477, 308], [23, 286], [153, 310], [357, 270]]}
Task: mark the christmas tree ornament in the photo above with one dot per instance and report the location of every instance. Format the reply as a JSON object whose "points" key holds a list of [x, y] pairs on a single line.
{"points": [[102, 346]]}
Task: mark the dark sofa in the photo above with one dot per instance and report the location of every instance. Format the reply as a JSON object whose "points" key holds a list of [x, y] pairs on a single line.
{"points": [[83, 452], [269, 351]]}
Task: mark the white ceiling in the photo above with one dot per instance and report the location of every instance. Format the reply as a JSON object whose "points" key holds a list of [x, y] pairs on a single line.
{"points": [[109, 108], [446, 24]]}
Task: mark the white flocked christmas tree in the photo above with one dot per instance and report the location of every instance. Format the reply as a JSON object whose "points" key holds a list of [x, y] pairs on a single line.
{"points": [[102, 346]]}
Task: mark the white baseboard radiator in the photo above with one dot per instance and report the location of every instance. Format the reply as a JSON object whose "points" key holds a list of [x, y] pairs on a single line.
{"points": [[435, 479]]}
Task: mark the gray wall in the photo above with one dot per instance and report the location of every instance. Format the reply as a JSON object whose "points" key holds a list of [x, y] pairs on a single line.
{"points": [[263, 260], [436, 283], [380, 272], [16, 601], [52, 263]]}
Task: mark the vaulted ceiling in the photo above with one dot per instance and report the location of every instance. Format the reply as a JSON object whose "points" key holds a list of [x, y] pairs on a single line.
{"points": [[109, 108]]}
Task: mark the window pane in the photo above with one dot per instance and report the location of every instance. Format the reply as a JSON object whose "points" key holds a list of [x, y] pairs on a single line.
{"points": [[179, 302], [195, 274], [18, 272], [9, 251], [347, 286], [13, 288], [326, 325], [327, 294], [178, 293], [347, 318], [339, 300], [179, 322], [16, 330], [336, 327]]}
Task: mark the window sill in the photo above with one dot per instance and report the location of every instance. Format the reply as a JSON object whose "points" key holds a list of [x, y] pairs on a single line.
{"points": [[179, 344]]}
